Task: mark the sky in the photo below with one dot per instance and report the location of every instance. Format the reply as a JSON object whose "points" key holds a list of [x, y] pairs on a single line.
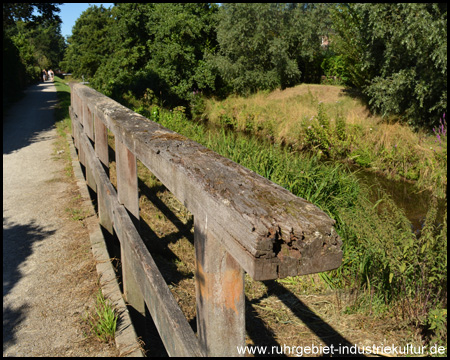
{"points": [[70, 12]]}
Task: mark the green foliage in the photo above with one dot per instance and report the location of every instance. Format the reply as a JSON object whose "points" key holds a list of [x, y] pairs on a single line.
{"points": [[347, 41], [30, 43], [325, 139], [159, 46], [385, 257], [89, 46], [103, 322], [32, 13], [265, 46], [437, 323], [245, 34], [181, 34], [334, 69], [396, 53], [197, 105]]}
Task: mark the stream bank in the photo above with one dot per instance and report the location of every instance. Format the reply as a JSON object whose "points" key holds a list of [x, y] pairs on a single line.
{"points": [[406, 196], [413, 202]]}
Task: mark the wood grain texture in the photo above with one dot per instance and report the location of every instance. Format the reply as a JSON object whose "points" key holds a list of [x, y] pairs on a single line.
{"points": [[176, 333], [268, 230]]}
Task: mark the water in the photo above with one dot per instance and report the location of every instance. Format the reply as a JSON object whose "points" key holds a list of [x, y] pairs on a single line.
{"points": [[406, 196]]}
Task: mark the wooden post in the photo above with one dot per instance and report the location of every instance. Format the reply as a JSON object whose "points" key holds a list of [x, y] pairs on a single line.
{"points": [[81, 152], [89, 130], [88, 122], [127, 183], [101, 150], [101, 142], [90, 180], [127, 193], [219, 286], [103, 213]]}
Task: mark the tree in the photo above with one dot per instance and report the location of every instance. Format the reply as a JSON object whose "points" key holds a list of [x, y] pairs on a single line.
{"points": [[397, 54], [46, 42], [90, 44], [268, 45], [21, 47], [159, 46], [252, 53], [347, 41], [13, 12], [307, 25], [180, 35]]}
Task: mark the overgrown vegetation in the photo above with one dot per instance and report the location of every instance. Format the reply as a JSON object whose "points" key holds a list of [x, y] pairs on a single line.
{"points": [[328, 122], [390, 268], [397, 55]]}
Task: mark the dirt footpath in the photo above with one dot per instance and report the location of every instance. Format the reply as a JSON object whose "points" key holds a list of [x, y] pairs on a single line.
{"points": [[49, 276]]}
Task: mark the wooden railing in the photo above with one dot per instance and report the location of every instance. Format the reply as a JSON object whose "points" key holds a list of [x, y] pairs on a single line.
{"points": [[242, 222]]}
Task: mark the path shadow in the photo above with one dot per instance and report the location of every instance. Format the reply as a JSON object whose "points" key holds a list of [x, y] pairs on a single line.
{"points": [[18, 240]]}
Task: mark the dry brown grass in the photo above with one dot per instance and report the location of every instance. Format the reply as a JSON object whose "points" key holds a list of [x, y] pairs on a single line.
{"points": [[383, 145], [282, 112], [75, 291], [328, 94]]}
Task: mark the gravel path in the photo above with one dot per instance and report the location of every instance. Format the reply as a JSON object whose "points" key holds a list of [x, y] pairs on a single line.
{"points": [[48, 271]]}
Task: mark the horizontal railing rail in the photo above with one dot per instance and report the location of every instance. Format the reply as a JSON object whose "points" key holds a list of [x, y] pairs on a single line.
{"points": [[242, 222]]}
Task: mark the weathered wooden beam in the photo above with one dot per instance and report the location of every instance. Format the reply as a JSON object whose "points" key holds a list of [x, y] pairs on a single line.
{"points": [[127, 183], [127, 194], [176, 333], [266, 218], [90, 181], [88, 121], [268, 230], [104, 215], [219, 288], [101, 141]]}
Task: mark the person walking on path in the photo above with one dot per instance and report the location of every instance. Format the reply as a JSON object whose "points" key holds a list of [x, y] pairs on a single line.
{"points": [[42, 303]]}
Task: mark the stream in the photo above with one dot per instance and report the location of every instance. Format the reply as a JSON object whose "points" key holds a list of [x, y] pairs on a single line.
{"points": [[406, 196], [414, 203]]}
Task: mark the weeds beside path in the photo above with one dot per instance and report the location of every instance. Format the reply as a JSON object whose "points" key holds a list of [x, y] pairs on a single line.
{"points": [[49, 276]]}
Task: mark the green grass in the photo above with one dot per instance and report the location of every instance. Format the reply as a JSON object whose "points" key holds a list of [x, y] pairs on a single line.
{"points": [[62, 117], [327, 122], [103, 320]]}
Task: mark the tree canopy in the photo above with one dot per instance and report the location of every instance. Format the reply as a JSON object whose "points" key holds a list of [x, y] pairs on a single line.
{"points": [[394, 53], [397, 54], [32, 41]]}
